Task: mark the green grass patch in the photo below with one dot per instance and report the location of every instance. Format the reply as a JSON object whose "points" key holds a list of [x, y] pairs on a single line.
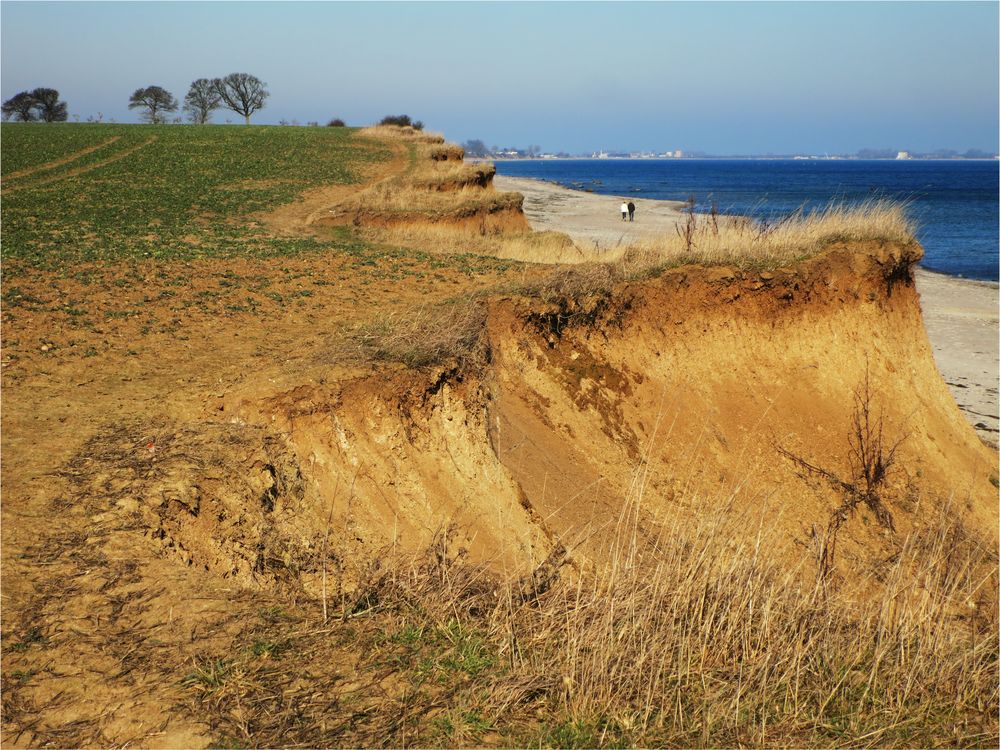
{"points": [[164, 191]]}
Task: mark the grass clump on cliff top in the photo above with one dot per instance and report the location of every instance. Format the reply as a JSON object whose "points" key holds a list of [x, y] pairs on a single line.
{"points": [[740, 241], [799, 235], [425, 336]]}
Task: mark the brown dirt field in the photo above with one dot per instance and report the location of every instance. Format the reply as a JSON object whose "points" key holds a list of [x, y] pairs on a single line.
{"points": [[192, 449]]}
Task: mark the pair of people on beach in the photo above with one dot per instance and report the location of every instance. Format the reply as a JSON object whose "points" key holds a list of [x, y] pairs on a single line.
{"points": [[628, 210]]}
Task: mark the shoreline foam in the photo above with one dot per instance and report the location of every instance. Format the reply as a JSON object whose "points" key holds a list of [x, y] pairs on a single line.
{"points": [[960, 315]]}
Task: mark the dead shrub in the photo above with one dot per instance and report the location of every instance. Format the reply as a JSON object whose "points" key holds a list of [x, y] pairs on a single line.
{"points": [[870, 458]]}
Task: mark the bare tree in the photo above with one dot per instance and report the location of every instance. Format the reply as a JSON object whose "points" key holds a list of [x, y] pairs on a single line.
{"points": [[243, 93], [156, 100], [50, 109], [201, 100], [20, 107]]}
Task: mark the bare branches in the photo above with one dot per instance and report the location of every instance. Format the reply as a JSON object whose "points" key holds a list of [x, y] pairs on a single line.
{"points": [[243, 93], [156, 100], [20, 107], [47, 103], [870, 458], [201, 100], [39, 104], [689, 230]]}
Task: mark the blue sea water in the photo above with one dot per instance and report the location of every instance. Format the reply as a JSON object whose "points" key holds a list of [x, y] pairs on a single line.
{"points": [[956, 204]]}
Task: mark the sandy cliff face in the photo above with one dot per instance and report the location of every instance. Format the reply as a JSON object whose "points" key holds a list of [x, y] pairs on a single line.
{"points": [[613, 413]]}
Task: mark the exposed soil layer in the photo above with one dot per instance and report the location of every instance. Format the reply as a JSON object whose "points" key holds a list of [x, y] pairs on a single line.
{"points": [[659, 393], [960, 315]]}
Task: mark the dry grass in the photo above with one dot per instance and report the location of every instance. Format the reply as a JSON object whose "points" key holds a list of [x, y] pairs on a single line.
{"points": [[742, 242], [438, 187], [405, 133], [454, 332], [525, 246], [447, 152], [452, 175], [425, 336], [708, 641], [716, 644], [418, 202]]}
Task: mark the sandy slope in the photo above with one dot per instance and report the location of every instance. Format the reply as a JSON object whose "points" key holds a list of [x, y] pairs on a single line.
{"points": [[960, 315]]}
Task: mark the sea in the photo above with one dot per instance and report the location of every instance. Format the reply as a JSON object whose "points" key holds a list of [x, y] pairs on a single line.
{"points": [[955, 204]]}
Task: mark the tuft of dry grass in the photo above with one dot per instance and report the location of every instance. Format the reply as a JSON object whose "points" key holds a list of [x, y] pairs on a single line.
{"points": [[425, 336]]}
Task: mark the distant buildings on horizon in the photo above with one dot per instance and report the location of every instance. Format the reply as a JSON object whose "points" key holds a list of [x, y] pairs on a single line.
{"points": [[534, 152]]}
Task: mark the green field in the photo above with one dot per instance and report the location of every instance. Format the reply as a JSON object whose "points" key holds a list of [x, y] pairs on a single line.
{"points": [[164, 191]]}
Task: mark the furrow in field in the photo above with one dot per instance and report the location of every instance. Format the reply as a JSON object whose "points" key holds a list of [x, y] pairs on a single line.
{"points": [[60, 162], [82, 170]]}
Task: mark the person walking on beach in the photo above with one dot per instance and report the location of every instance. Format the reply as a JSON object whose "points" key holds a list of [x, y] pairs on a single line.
{"points": [[624, 211], [631, 211]]}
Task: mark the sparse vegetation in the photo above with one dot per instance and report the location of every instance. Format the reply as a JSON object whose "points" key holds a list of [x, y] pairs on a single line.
{"points": [[713, 643], [870, 457], [427, 335]]}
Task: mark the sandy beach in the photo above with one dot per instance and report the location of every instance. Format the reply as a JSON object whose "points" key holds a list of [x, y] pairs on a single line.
{"points": [[961, 316]]}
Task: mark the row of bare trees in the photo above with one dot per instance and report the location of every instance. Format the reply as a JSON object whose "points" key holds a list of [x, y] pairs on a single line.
{"points": [[38, 104], [243, 93]]}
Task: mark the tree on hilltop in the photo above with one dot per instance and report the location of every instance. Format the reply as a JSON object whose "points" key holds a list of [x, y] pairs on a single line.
{"points": [[243, 93], [156, 100], [20, 107], [50, 109], [201, 100]]}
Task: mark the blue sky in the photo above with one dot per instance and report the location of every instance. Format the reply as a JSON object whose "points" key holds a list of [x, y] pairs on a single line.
{"points": [[723, 78]]}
